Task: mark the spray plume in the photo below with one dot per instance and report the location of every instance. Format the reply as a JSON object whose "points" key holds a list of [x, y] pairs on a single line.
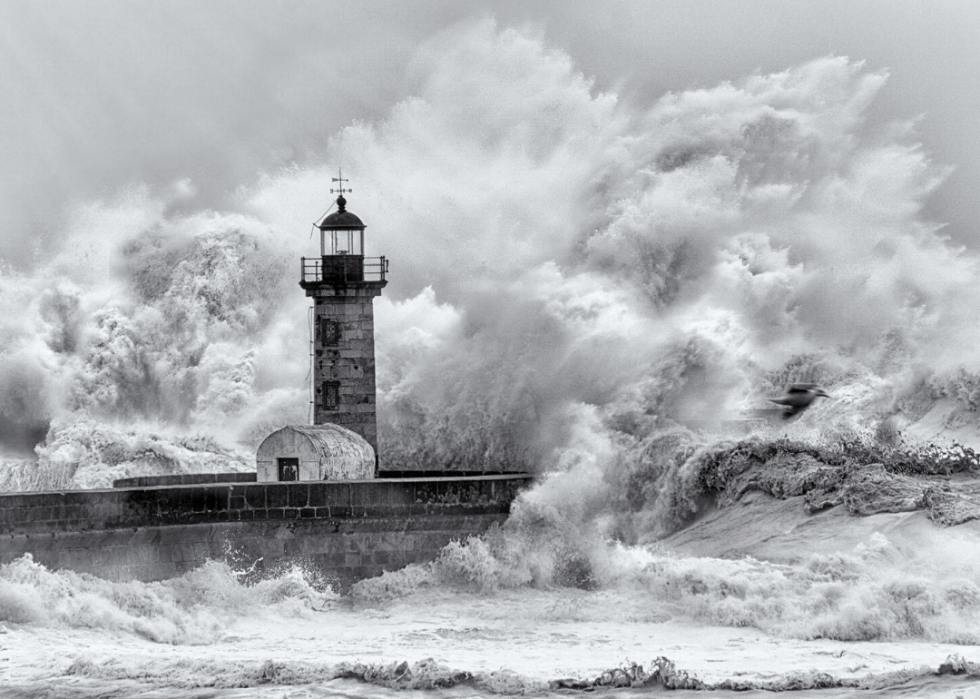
{"points": [[571, 275]]}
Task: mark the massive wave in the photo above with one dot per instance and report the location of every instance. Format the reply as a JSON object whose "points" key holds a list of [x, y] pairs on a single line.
{"points": [[601, 292], [575, 278]]}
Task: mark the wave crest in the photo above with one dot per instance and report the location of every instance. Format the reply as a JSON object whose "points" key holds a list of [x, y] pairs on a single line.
{"points": [[195, 608]]}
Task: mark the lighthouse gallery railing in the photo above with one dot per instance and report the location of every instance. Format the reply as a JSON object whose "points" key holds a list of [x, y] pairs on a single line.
{"points": [[343, 268]]}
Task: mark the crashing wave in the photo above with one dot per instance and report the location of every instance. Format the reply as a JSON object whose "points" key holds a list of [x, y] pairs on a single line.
{"points": [[428, 675], [194, 608], [660, 267], [858, 472]]}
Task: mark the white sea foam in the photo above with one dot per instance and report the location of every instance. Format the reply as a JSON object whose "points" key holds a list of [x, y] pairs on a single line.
{"points": [[659, 264], [195, 608], [580, 286]]}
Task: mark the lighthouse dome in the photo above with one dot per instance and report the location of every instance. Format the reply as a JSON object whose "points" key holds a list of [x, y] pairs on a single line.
{"points": [[341, 219]]}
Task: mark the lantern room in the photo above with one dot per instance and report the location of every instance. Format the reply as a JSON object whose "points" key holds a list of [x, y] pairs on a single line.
{"points": [[342, 245], [341, 233]]}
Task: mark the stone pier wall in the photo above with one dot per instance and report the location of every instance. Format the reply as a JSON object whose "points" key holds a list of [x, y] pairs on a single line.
{"points": [[348, 530]]}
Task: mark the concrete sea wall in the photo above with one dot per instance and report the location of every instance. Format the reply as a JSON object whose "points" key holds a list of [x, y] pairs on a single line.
{"points": [[348, 530]]}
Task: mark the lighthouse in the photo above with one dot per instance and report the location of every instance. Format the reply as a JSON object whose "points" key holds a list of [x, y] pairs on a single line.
{"points": [[342, 442], [343, 283]]}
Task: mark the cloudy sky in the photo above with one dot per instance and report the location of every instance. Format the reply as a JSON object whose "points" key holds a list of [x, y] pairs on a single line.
{"points": [[99, 96]]}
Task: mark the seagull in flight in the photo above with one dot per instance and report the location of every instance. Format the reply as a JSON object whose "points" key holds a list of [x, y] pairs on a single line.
{"points": [[798, 398]]}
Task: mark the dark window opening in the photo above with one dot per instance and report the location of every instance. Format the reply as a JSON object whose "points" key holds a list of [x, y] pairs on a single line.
{"points": [[330, 395], [329, 332], [288, 469]]}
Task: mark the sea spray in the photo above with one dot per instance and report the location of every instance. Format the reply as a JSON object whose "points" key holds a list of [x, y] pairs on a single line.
{"points": [[875, 590], [93, 454], [164, 350], [195, 608], [671, 263], [650, 274], [592, 289]]}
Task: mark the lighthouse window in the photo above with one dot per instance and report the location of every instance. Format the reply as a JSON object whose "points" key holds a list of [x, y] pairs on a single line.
{"points": [[330, 395], [329, 332]]}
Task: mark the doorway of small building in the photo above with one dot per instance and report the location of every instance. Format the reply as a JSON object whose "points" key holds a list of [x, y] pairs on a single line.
{"points": [[288, 469]]}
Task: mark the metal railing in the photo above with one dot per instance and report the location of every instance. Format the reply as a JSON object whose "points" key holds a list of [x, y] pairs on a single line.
{"points": [[343, 269]]}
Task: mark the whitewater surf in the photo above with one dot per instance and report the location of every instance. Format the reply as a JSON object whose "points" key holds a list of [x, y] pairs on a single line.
{"points": [[609, 321], [756, 589]]}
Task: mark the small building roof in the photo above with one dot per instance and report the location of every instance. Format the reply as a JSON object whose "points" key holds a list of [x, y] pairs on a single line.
{"points": [[331, 440], [324, 452]]}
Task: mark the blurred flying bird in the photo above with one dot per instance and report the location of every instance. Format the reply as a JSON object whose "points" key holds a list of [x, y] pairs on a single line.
{"points": [[798, 398]]}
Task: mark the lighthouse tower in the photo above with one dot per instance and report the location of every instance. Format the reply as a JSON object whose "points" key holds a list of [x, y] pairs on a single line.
{"points": [[343, 284]]}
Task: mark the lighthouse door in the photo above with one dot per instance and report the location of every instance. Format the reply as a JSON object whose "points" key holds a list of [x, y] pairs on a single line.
{"points": [[288, 469]]}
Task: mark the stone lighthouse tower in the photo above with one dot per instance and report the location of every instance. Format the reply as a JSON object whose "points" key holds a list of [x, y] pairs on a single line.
{"points": [[343, 284]]}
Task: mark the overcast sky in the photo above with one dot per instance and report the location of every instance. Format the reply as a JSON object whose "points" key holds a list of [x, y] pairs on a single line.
{"points": [[98, 96]]}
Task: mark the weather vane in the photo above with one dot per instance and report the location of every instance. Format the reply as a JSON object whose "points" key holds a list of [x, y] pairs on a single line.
{"points": [[341, 179]]}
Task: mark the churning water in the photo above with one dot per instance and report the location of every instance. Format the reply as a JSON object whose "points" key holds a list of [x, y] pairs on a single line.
{"points": [[593, 290]]}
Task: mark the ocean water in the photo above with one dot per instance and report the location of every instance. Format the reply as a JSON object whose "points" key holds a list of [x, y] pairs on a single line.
{"points": [[602, 292], [873, 606], [754, 591]]}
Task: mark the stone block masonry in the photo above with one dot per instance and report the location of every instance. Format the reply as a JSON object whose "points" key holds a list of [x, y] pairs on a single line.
{"points": [[184, 479], [343, 358], [348, 530]]}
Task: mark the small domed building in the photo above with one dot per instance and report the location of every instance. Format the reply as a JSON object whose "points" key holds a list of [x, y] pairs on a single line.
{"points": [[314, 453]]}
